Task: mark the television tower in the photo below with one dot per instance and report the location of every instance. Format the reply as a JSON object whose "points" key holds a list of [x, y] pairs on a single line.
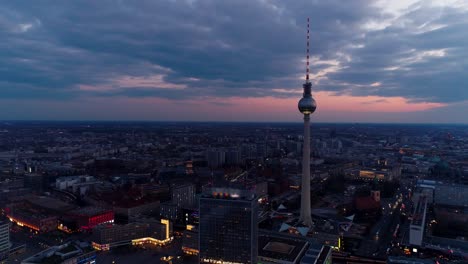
{"points": [[307, 106]]}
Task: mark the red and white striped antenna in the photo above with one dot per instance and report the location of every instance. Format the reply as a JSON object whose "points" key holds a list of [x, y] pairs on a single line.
{"points": [[307, 70]]}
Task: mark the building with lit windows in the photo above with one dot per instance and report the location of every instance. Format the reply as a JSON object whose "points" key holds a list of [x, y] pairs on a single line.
{"points": [[183, 195], [169, 210], [190, 241], [381, 173], [107, 236], [24, 214], [228, 231]]}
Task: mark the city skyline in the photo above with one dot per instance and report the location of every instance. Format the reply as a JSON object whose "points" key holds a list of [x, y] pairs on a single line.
{"points": [[126, 192], [393, 61]]}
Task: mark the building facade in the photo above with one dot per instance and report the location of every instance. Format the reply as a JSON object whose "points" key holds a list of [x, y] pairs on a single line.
{"points": [[215, 158], [170, 211], [88, 217], [228, 226], [184, 195], [4, 239], [418, 223], [108, 236]]}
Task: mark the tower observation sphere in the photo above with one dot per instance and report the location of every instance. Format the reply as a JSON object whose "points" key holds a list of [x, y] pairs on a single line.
{"points": [[307, 104]]}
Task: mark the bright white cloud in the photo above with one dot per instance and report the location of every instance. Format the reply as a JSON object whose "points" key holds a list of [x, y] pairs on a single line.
{"points": [[420, 56], [155, 81]]}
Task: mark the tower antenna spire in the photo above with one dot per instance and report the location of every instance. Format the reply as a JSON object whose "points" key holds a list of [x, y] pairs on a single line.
{"points": [[307, 67]]}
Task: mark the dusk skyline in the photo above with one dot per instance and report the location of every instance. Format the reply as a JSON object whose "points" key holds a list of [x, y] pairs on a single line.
{"points": [[392, 61]]}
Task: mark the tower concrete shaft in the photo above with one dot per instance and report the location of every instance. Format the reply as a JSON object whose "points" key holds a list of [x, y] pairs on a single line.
{"points": [[305, 216]]}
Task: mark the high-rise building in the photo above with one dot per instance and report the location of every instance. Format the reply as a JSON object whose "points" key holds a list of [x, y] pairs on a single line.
{"points": [[183, 195], [169, 210], [215, 158], [228, 226], [4, 239], [248, 151], [418, 223], [307, 106], [190, 240], [233, 156], [261, 150]]}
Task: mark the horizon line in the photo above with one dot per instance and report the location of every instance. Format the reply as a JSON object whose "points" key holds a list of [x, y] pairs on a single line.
{"points": [[218, 121]]}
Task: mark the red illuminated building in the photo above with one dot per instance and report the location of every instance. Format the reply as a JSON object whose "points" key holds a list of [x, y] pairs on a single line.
{"points": [[89, 217]]}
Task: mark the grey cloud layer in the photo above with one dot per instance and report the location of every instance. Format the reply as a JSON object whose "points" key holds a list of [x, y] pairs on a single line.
{"points": [[226, 48]]}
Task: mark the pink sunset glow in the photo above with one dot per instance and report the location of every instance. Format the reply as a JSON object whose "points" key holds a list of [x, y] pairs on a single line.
{"points": [[327, 103], [331, 108]]}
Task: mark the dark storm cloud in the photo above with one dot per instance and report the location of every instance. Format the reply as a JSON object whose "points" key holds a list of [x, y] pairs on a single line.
{"points": [[52, 49]]}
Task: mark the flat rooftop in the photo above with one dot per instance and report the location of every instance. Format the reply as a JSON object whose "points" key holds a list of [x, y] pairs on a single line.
{"points": [[49, 203], [25, 212], [229, 194], [280, 248], [453, 195], [89, 211]]}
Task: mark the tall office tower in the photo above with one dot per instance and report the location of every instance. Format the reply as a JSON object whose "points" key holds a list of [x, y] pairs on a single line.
{"points": [[307, 106], [228, 231], [4, 239]]}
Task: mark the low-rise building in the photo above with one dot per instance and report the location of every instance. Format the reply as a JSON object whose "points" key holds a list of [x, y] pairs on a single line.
{"points": [[88, 217], [107, 236], [24, 215], [69, 253]]}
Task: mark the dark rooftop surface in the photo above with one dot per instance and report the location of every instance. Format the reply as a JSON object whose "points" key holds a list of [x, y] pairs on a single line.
{"points": [[89, 211], [280, 248]]}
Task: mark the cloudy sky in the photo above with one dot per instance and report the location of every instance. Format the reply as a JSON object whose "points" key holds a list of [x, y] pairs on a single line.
{"points": [[239, 60]]}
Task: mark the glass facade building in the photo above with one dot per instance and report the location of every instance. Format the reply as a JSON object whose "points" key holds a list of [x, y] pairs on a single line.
{"points": [[228, 227], [4, 239]]}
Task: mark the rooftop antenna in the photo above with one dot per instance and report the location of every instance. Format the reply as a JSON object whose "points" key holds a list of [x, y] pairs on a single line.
{"points": [[307, 70]]}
